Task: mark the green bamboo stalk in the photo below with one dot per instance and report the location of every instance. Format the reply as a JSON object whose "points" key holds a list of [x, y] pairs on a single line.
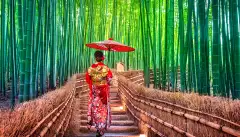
{"points": [[239, 10], [165, 60], [70, 44], [34, 54], [13, 52], [235, 49], [147, 43], [128, 35], [61, 45], [176, 65], [160, 45], [224, 76], [196, 49], [226, 57], [207, 48], [53, 51], [3, 48], [8, 52], [66, 15], [75, 58], [29, 44], [47, 43], [201, 13], [39, 48], [43, 74], [188, 46], [181, 38], [231, 49], [171, 41], [146, 73], [203, 20], [82, 25], [216, 49], [21, 50], [153, 44]]}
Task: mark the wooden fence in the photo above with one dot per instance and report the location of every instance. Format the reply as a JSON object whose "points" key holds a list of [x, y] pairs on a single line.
{"points": [[165, 118], [47, 116]]}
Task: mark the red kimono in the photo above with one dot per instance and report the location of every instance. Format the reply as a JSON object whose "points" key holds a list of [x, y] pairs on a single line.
{"points": [[98, 77]]}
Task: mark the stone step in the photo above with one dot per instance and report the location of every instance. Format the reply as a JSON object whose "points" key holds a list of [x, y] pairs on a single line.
{"points": [[115, 101], [112, 129], [116, 104], [114, 123], [112, 101], [118, 108], [111, 98], [113, 108], [121, 126], [114, 94], [114, 117], [129, 134], [82, 99], [83, 107], [113, 87], [119, 112], [115, 98], [114, 91], [83, 103], [113, 112]]}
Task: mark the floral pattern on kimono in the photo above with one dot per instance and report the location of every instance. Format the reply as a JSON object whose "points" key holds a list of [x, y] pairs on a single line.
{"points": [[98, 77]]}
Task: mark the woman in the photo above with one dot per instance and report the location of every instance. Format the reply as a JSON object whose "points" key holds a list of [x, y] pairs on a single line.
{"points": [[98, 77]]}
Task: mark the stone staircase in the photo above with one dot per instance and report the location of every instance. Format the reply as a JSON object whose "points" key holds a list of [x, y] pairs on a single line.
{"points": [[122, 125]]}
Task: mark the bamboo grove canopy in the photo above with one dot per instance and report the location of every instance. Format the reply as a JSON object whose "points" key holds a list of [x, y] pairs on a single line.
{"points": [[191, 45]]}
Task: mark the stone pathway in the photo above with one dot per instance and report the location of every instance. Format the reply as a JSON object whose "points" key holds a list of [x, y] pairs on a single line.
{"points": [[122, 125]]}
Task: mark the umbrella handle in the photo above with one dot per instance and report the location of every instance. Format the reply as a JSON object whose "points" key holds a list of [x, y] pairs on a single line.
{"points": [[109, 56]]}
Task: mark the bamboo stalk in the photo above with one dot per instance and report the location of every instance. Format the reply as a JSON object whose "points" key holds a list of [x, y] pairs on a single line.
{"points": [[53, 46], [216, 57], [13, 52], [3, 48]]}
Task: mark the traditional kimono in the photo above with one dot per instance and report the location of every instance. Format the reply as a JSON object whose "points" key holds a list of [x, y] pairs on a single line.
{"points": [[98, 77]]}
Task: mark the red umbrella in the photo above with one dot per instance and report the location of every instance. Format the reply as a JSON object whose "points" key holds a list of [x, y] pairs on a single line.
{"points": [[110, 45]]}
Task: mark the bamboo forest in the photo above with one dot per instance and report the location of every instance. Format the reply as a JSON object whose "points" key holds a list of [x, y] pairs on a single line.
{"points": [[123, 68], [189, 45]]}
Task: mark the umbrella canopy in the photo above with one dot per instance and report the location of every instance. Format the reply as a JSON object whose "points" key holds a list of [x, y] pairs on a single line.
{"points": [[110, 45]]}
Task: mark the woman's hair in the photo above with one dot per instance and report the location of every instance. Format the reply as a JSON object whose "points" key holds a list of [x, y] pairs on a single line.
{"points": [[98, 56]]}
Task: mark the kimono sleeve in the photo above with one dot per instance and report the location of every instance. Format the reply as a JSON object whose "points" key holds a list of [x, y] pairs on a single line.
{"points": [[89, 81], [109, 75], [88, 78]]}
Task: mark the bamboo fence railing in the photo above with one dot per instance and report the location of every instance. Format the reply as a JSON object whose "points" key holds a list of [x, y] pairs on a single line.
{"points": [[55, 123], [167, 118], [47, 116]]}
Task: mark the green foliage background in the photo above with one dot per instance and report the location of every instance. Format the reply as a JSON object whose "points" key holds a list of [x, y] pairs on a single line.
{"points": [[189, 45]]}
